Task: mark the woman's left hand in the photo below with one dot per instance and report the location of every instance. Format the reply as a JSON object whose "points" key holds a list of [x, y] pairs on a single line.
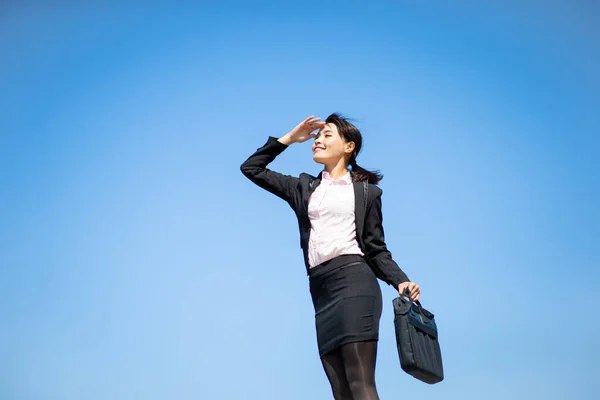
{"points": [[415, 290]]}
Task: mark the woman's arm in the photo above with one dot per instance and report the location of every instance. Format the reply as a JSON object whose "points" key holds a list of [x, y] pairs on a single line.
{"points": [[384, 265], [255, 167]]}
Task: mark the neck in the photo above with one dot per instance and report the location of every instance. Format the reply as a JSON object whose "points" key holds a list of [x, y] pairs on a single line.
{"points": [[337, 170]]}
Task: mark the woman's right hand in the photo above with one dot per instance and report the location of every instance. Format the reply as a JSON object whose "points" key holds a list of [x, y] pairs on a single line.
{"points": [[302, 132], [413, 288]]}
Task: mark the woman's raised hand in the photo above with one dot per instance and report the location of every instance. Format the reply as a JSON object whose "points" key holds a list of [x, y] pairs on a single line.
{"points": [[303, 131]]}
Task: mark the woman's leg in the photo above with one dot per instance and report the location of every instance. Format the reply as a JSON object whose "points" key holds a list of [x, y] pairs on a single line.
{"points": [[334, 368], [359, 360]]}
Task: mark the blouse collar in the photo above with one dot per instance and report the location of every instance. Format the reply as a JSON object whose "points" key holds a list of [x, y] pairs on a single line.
{"points": [[344, 180]]}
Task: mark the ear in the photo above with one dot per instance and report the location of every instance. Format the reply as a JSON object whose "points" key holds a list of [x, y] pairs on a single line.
{"points": [[349, 148]]}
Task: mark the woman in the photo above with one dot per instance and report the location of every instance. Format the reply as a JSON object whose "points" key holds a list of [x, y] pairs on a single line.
{"points": [[341, 235]]}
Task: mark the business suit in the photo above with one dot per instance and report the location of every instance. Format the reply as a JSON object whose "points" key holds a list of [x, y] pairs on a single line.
{"points": [[296, 192]]}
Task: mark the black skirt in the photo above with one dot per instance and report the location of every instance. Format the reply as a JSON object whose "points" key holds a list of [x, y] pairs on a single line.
{"points": [[347, 302]]}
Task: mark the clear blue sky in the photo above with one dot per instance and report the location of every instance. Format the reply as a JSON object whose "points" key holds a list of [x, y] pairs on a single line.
{"points": [[137, 262]]}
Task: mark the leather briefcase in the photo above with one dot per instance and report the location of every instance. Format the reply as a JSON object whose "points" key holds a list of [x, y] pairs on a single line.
{"points": [[417, 340]]}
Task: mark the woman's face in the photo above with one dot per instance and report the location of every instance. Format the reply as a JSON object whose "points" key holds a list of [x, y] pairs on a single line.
{"points": [[329, 146]]}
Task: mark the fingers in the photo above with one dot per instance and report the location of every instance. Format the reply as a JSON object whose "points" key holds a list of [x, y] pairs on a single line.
{"points": [[415, 290], [311, 136], [313, 122], [310, 120], [305, 137], [310, 124], [302, 132]]}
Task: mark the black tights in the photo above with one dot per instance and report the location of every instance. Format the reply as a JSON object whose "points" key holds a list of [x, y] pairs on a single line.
{"points": [[351, 371]]}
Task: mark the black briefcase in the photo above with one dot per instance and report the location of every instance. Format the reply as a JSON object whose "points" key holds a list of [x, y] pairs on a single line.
{"points": [[417, 340]]}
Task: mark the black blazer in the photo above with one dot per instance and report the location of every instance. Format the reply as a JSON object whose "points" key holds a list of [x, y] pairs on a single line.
{"points": [[296, 191]]}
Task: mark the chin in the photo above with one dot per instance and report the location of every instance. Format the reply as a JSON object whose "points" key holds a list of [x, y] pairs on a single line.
{"points": [[318, 159]]}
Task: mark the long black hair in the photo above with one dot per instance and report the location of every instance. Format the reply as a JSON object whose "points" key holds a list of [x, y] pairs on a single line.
{"points": [[350, 133]]}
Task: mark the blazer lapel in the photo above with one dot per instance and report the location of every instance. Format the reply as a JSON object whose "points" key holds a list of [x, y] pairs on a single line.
{"points": [[314, 185], [311, 188], [359, 209]]}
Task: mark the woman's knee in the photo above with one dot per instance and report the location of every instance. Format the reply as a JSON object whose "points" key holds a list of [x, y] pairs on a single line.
{"points": [[363, 390], [343, 393], [359, 365], [335, 371], [360, 381]]}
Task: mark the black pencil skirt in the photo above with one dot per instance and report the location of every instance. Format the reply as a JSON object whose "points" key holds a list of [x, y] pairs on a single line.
{"points": [[347, 302]]}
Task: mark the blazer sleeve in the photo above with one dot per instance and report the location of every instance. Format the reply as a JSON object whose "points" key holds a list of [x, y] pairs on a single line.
{"points": [[383, 264], [255, 169]]}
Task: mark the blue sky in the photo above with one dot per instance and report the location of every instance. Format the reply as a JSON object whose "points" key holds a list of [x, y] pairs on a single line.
{"points": [[137, 262]]}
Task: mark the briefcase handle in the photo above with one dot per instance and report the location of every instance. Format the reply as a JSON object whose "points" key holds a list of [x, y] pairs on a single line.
{"points": [[406, 293]]}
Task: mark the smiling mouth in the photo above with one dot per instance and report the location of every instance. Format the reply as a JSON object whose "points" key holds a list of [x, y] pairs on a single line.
{"points": [[318, 148]]}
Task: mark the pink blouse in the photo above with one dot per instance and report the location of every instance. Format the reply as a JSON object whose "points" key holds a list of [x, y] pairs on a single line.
{"points": [[331, 214]]}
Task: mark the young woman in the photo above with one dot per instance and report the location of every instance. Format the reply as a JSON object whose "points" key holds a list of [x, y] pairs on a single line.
{"points": [[341, 235]]}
